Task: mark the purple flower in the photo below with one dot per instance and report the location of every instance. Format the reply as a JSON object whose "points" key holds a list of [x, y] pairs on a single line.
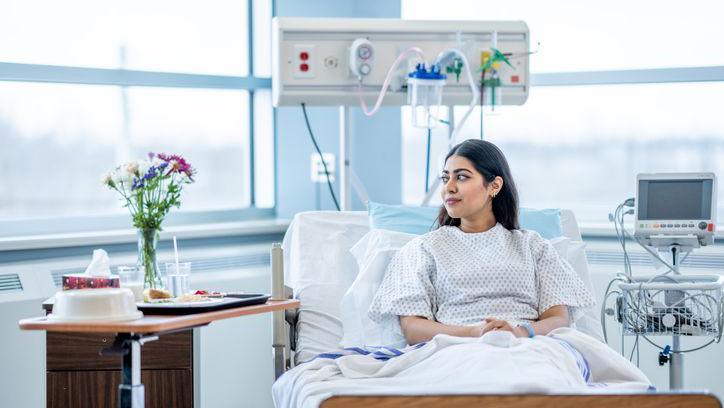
{"points": [[177, 164], [151, 173], [137, 183]]}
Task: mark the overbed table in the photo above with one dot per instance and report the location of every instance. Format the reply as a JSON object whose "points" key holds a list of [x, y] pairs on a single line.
{"points": [[131, 335]]}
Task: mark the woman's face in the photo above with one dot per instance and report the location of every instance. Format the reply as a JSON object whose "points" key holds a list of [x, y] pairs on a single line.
{"points": [[464, 190]]}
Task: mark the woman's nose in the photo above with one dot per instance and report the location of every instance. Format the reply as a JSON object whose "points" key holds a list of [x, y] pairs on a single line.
{"points": [[450, 185]]}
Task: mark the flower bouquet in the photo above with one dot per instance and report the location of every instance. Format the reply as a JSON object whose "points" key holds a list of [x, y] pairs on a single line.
{"points": [[149, 189]]}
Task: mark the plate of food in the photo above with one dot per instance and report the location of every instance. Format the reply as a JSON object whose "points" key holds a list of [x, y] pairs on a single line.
{"points": [[159, 301]]}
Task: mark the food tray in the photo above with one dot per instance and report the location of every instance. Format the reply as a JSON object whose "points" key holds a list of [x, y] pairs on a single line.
{"points": [[199, 307]]}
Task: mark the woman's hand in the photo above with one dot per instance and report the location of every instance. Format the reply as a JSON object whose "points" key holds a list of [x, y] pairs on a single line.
{"points": [[418, 329], [497, 324]]}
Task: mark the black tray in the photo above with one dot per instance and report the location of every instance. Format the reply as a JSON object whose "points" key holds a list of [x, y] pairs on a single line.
{"points": [[190, 308]]}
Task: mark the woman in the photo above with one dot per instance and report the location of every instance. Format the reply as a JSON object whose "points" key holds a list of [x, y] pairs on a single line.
{"points": [[478, 271]]}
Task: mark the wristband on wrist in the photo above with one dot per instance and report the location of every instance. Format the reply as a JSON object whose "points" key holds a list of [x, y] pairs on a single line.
{"points": [[527, 326]]}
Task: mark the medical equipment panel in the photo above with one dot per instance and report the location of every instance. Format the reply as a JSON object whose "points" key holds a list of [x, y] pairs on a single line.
{"points": [[687, 305], [329, 61], [675, 214], [676, 208]]}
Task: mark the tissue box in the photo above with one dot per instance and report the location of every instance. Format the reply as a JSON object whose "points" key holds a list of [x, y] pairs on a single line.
{"points": [[82, 281]]}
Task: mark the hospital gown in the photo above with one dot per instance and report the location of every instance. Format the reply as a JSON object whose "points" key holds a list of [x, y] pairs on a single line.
{"points": [[460, 278]]}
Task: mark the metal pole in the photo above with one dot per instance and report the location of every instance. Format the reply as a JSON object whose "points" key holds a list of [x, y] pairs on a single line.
{"points": [[279, 333], [676, 365], [436, 182], [676, 362], [345, 197], [451, 126], [252, 129], [131, 391]]}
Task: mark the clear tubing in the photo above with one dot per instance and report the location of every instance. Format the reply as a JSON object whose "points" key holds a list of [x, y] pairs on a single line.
{"points": [[403, 56], [473, 88]]}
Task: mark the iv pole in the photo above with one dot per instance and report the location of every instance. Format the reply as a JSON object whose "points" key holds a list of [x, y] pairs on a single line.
{"points": [[451, 129], [676, 360], [347, 177]]}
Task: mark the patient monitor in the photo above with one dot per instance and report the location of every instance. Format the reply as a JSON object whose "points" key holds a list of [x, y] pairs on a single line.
{"points": [[676, 209]]}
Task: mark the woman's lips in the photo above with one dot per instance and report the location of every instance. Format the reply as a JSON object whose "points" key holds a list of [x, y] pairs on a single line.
{"points": [[452, 201]]}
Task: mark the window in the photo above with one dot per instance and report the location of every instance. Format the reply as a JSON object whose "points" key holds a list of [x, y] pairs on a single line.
{"points": [[264, 149], [211, 125], [591, 36], [160, 35], [85, 86], [581, 146]]}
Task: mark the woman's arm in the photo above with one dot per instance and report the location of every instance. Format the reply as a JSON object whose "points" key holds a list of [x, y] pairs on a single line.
{"points": [[418, 329], [553, 318]]}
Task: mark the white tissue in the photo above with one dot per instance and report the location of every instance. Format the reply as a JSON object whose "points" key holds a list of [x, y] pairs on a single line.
{"points": [[100, 265]]}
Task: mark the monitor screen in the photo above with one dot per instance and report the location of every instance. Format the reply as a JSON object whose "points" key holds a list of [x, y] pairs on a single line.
{"points": [[674, 199]]}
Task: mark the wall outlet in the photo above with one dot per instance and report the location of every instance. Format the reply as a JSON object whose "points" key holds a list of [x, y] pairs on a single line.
{"points": [[304, 60], [318, 175]]}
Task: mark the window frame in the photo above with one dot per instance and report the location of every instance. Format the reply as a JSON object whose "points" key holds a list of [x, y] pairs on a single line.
{"points": [[591, 229], [20, 72], [629, 76]]}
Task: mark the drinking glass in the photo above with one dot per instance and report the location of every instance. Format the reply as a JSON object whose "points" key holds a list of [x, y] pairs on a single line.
{"points": [[131, 277], [177, 278]]}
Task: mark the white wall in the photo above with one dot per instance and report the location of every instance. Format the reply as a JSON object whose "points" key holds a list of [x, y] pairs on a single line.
{"points": [[22, 376]]}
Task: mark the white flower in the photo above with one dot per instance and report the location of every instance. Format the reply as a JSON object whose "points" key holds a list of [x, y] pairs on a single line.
{"points": [[143, 167], [131, 168], [121, 177], [107, 178]]}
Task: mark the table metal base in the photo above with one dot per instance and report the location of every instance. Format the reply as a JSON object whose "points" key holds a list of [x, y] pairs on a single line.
{"points": [[128, 346]]}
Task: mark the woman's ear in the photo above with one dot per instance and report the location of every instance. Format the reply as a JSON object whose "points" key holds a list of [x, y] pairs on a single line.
{"points": [[496, 185]]}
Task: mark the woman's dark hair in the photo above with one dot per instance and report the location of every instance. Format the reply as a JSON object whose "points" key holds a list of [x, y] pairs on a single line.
{"points": [[489, 161]]}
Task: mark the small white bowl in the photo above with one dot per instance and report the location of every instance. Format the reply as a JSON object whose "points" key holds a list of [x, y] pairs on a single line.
{"points": [[87, 305]]}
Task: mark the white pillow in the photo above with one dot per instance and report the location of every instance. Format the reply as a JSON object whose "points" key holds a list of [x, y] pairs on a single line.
{"points": [[561, 245], [320, 268], [590, 321], [374, 252], [574, 252]]}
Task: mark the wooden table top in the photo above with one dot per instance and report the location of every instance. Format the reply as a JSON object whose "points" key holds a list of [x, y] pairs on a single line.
{"points": [[153, 323]]}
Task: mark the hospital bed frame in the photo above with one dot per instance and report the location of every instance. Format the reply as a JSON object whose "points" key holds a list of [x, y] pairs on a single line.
{"points": [[638, 400], [284, 360]]}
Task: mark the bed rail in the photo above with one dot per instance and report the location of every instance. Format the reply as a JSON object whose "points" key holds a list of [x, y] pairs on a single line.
{"points": [[284, 323]]}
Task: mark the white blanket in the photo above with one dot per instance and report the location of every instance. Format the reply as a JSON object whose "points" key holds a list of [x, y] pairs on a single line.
{"points": [[495, 363]]}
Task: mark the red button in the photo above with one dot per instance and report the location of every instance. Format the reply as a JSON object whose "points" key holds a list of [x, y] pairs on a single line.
{"points": [[514, 79], [710, 227], [303, 55], [304, 67]]}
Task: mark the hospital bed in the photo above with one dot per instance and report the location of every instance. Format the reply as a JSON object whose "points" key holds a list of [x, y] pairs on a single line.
{"points": [[319, 268]]}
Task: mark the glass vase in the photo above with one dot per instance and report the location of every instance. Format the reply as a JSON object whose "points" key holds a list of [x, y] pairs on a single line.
{"points": [[147, 242]]}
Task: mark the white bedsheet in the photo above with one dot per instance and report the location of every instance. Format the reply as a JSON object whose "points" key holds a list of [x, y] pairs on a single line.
{"points": [[494, 363]]}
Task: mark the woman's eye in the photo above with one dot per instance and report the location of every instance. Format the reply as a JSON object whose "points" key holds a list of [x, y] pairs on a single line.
{"points": [[462, 177], [444, 179]]}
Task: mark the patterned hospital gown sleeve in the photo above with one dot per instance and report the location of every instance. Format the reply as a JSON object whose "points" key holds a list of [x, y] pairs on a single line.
{"points": [[557, 282], [406, 289]]}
